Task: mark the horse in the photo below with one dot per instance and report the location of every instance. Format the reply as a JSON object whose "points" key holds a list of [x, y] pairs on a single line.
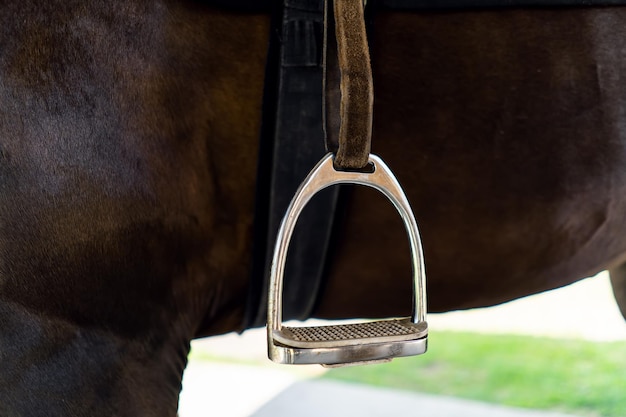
{"points": [[128, 169]]}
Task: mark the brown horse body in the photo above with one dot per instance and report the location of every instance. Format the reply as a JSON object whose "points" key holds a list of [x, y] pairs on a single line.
{"points": [[128, 146]]}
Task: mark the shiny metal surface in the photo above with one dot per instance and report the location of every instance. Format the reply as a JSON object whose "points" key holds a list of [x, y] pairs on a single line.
{"points": [[382, 341], [356, 354]]}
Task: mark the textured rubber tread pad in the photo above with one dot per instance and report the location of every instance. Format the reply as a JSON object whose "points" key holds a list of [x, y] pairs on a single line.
{"points": [[381, 331]]}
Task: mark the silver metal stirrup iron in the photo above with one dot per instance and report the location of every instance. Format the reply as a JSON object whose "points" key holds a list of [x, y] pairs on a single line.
{"points": [[373, 341]]}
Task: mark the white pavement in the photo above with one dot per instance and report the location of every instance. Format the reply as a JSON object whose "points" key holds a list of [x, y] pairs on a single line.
{"points": [[334, 399], [585, 310]]}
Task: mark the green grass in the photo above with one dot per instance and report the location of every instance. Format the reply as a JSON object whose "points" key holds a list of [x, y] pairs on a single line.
{"points": [[579, 377]]}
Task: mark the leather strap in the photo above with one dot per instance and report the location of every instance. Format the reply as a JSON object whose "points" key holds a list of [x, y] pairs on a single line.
{"points": [[348, 63], [292, 143]]}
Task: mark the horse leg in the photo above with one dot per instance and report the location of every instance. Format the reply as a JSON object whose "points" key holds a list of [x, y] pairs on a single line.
{"points": [[52, 367], [618, 282]]}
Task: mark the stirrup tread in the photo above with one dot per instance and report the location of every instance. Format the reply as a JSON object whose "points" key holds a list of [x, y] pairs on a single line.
{"points": [[381, 331]]}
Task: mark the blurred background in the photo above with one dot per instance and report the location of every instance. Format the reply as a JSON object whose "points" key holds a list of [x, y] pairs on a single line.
{"points": [[555, 354]]}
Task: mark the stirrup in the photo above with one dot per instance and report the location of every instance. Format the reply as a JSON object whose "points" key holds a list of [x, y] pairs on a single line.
{"points": [[376, 341]]}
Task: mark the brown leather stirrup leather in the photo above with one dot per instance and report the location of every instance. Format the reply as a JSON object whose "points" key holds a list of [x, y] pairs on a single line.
{"points": [[348, 66]]}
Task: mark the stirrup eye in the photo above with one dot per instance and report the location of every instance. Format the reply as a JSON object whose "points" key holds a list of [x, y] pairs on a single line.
{"points": [[366, 342]]}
